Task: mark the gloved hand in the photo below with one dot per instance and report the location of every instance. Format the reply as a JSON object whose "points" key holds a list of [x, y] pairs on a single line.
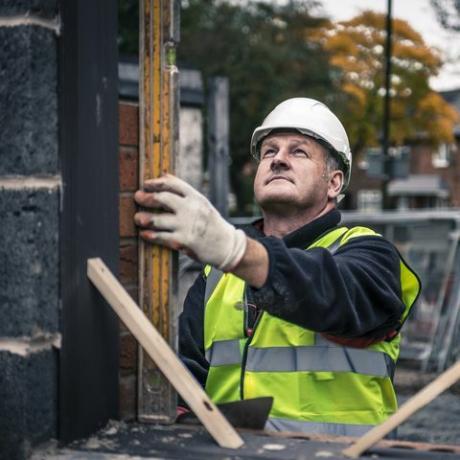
{"points": [[187, 221]]}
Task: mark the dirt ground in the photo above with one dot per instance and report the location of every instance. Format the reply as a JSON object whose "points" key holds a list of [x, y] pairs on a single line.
{"points": [[439, 422]]}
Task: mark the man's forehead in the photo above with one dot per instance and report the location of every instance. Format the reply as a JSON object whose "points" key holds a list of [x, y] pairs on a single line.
{"points": [[286, 136]]}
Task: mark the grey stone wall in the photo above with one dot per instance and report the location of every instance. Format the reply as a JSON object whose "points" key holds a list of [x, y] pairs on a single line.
{"points": [[29, 214]]}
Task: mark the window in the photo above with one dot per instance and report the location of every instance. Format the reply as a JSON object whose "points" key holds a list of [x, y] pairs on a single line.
{"points": [[441, 156], [369, 200]]}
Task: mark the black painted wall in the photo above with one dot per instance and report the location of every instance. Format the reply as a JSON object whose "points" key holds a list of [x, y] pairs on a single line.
{"points": [[88, 118]]}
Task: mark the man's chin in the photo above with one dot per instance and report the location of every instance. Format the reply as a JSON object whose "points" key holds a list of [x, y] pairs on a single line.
{"points": [[278, 201]]}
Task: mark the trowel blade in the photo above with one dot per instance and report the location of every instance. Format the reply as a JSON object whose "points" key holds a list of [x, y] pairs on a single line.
{"points": [[247, 413]]}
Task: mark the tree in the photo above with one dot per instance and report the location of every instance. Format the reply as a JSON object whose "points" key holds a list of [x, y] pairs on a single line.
{"points": [[265, 52], [448, 13], [356, 49], [128, 27]]}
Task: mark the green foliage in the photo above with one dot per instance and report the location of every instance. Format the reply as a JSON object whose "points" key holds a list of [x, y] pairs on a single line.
{"points": [[128, 27], [356, 49], [265, 52]]}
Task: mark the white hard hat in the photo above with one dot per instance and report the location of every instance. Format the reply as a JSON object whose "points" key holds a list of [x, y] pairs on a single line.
{"points": [[311, 118]]}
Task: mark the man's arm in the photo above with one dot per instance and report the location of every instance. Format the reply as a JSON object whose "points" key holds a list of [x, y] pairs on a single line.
{"points": [[355, 292], [253, 267], [181, 218], [351, 293]]}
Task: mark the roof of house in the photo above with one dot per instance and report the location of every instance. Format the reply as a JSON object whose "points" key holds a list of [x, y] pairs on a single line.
{"points": [[419, 185]]}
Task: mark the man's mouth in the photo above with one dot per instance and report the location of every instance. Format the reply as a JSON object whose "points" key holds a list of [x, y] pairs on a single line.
{"points": [[273, 178]]}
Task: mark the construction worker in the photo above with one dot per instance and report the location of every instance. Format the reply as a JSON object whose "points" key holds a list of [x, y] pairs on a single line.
{"points": [[294, 306]]}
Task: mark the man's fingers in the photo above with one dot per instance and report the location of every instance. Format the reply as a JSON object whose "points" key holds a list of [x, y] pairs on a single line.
{"points": [[149, 220], [147, 200], [169, 183], [158, 200], [166, 239]]}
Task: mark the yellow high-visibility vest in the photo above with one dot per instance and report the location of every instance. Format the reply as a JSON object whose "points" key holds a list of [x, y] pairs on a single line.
{"points": [[318, 386]]}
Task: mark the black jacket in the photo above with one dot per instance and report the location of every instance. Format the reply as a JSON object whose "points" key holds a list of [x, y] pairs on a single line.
{"points": [[354, 293]]}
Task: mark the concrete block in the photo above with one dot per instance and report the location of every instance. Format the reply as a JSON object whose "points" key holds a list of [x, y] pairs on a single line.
{"points": [[29, 261], [28, 402], [28, 97], [42, 8]]}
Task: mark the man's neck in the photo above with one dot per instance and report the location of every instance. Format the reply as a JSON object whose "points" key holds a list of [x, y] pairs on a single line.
{"points": [[280, 225]]}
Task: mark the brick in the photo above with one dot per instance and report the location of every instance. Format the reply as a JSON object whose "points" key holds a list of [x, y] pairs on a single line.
{"points": [[127, 210], [28, 402], [128, 268], [28, 97], [133, 291], [128, 124], [42, 8], [29, 261], [128, 352], [128, 397], [129, 169]]}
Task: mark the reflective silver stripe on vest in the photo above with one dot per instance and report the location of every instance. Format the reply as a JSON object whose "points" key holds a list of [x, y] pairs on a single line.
{"points": [[212, 280], [224, 352], [390, 364], [317, 358], [338, 429]]}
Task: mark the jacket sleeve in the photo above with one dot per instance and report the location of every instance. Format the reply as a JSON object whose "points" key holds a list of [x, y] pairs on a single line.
{"points": [[355, 292], [191, 331]]}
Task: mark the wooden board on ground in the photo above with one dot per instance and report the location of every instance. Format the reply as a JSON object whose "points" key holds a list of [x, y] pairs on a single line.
{"points": [[421, 399], [157, 348]]}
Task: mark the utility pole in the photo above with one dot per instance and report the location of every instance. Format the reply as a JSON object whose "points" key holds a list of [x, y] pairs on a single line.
{"points": [[218, 142], [387, 108]]}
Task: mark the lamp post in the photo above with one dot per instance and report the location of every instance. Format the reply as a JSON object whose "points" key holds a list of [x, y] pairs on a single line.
{"points": [[387, 107]]}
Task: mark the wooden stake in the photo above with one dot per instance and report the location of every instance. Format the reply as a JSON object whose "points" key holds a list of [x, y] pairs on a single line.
{"points": [[160, 352], [421, 399]]}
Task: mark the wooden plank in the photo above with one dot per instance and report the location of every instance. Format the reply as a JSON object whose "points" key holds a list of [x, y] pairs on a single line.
{"points": [[160, 352], [421, 399]]}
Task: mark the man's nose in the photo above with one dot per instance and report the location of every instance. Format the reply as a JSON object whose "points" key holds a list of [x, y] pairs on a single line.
{"points": [[280, 160]]}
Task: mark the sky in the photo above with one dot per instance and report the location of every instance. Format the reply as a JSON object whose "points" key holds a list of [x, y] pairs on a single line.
{"points": [[421, 17]]}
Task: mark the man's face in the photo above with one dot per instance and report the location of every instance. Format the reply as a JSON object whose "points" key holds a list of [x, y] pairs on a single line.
{"points": [[292, 173]]}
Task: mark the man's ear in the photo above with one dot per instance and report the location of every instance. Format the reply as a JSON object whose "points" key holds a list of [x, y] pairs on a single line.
{"points": [[335, 184]]}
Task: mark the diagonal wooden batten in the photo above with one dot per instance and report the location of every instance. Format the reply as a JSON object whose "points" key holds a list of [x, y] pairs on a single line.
{"points": [[160, 352], [421, 399]]}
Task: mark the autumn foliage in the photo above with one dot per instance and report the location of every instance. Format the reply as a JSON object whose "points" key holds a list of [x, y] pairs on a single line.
{"points": [[356, 50]]}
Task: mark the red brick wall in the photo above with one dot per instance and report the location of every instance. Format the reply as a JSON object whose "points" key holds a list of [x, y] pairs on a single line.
{"points": [[421, 162], [128, 268]]}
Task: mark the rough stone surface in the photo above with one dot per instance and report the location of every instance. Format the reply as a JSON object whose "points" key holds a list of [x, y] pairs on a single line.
{"points": [[28, 97], [29, 256], [42, 8], [28, 402]]}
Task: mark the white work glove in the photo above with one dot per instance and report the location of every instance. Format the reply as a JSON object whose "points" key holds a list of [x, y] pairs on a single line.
{"points": [[192, 225]]}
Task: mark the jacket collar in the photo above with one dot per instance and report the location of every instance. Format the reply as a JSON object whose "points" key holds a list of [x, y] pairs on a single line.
{"points": [[303, 236]]}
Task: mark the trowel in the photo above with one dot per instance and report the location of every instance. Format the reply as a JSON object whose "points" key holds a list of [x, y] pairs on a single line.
{"points": [[247, 413]]}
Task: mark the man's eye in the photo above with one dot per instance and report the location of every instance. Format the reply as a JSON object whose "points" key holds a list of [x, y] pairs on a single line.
{"points": [[300, 152], [268, 153]]}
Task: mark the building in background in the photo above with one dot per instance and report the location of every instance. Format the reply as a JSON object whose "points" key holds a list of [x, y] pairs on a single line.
{"points": [[427, 177]]}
